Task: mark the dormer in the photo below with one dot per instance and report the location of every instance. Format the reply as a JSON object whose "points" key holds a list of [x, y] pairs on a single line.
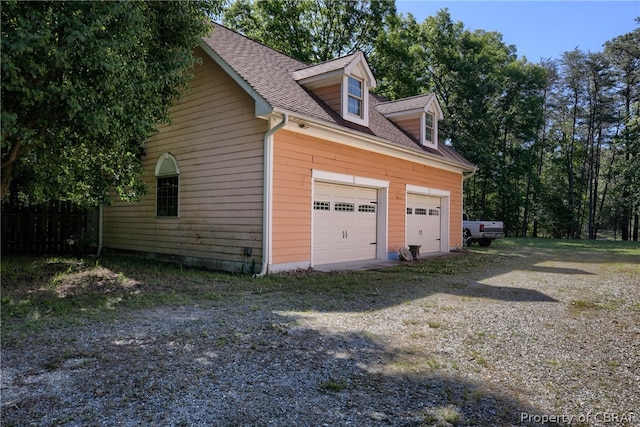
{"points": [[343, 84], [418, 116]]}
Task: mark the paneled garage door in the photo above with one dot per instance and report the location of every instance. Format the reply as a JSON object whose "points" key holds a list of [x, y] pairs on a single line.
{"points": [[344, 223], [423, 222]]}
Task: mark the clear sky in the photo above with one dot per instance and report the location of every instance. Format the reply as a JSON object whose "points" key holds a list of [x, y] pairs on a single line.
{"points": [[539, 29]]}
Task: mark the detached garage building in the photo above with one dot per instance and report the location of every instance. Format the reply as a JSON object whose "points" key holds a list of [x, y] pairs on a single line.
{"points": [[270, 164]]}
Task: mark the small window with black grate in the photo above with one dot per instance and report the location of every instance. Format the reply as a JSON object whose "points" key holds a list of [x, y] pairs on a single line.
{"points": [[321, 206], [343, 207], [367, 208], [167, 197]]}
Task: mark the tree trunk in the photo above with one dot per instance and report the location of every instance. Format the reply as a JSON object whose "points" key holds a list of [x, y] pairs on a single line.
{"points": [[7, 167]]}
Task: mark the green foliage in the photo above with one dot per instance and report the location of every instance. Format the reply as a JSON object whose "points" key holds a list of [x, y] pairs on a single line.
{"points": [[548, 138], [590, 175], [492, 102], [311, 30], [333, 384], [83, 85], [397, 61]]}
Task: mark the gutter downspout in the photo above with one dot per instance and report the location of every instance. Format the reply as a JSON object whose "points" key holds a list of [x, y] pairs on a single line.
{"points": [[266, 196]]}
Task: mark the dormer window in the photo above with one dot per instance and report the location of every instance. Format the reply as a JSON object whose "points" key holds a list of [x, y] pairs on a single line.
{"points": [[429, 130], [354, 97], [418, 116], [343, 84]]}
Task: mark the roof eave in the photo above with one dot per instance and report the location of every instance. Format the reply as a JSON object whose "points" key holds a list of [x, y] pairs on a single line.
{"points": [[428, 157]]}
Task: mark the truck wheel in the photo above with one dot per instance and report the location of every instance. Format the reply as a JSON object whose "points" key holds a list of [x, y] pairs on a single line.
{"points": [[485, 242]]}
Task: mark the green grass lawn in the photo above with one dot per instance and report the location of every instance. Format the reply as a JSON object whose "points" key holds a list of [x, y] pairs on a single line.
{"points": [[591, 246]]}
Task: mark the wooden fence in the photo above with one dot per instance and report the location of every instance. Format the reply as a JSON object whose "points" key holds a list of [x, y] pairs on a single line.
{"points": [[49, 228]]}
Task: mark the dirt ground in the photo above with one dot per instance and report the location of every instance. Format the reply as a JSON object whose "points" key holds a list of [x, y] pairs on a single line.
{"points": [[539, 338]]}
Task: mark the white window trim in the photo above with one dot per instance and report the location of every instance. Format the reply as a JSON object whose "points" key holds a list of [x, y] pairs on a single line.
{"points": [[167, 157], [423, 128], [361, 120], [162, 159], [358, 98]]}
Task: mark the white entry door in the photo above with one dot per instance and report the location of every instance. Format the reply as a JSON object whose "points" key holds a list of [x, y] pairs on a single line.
{"points": [[423, 222], [344, 223]]}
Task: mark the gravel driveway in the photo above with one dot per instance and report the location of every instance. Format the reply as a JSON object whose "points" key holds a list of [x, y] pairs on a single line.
{"points": [[540, 337]]}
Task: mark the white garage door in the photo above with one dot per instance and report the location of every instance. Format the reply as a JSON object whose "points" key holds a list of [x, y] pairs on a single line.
{"points": [[344, 223], [423, 222]]}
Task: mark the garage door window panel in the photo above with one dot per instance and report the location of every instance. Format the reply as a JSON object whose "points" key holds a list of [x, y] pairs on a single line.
{"points": [[344, 207]]}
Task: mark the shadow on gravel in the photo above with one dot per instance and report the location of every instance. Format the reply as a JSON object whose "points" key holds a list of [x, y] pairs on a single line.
{"points": [[503, 293], [225, 356], [558, 270], [178, 367]]}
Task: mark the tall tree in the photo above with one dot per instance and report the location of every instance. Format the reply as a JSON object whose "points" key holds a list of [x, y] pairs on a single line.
{"points": [[397, 59], [590, 101], [573, 65], [311, 30], [519, 119], [83, 85], [624, 54], [542, 148], [599, 124], [545, 137], [493, 104]]}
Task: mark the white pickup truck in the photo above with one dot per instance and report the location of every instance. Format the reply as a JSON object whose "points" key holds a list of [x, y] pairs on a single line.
{"points": [[482, 232]]}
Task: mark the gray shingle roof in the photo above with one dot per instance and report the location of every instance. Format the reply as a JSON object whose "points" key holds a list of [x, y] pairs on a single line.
{"points": [[413, 103], [325, 67], [270, 74]]}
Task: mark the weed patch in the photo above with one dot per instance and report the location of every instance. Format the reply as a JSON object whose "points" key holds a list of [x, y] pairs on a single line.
{"points": [[333, 384], [583, 306]]}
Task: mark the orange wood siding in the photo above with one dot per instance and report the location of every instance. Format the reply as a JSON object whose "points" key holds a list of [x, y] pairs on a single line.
{"points": [[297, 155], [218, 144], [331, 95], [412, 126]]}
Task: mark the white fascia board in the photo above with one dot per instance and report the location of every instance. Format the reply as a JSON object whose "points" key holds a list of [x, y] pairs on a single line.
{"points": [[363, 141], [262, 107], [324, 78], [360, 61], [416, 112], [438, 110]]}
